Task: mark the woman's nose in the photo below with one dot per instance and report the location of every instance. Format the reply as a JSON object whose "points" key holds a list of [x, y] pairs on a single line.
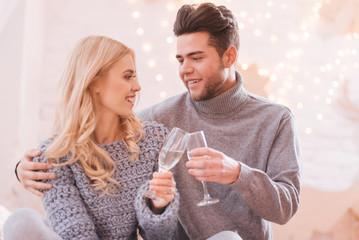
{"points": [[136, 85]]}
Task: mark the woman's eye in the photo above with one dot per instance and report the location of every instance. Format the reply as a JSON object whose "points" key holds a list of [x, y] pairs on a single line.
{"points": [[128, 77]]}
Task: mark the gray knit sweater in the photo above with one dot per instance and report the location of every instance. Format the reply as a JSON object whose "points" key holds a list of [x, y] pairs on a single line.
{"points": [[262, 136], [77, 211]]}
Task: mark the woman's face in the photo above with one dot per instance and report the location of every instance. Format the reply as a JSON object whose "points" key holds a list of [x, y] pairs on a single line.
{"points": [[116, 91]]}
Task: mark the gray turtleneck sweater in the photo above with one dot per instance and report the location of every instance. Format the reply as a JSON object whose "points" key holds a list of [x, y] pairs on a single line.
{"points": [[256, 132]]}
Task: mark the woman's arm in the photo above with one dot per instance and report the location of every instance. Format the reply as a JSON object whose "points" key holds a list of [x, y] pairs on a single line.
{"points": [[152, 225]]}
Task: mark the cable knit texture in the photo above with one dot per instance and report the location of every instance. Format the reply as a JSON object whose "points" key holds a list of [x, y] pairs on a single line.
{"points": [[77, 211]]}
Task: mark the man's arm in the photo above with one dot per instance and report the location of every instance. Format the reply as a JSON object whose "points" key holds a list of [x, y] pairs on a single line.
{"points": [[28, 173], [272, 194]]}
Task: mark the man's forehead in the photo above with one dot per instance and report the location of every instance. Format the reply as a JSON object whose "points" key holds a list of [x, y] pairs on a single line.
{"points": [[192, 43]]}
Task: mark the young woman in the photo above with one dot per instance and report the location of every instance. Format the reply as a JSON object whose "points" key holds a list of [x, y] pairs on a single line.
{"points": [[102, 154]]}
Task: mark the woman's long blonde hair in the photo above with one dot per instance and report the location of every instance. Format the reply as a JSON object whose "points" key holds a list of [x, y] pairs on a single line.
{"points": [[75, 119]]}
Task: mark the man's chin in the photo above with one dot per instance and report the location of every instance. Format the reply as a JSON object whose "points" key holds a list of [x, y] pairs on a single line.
{"points": [[195, 96]]}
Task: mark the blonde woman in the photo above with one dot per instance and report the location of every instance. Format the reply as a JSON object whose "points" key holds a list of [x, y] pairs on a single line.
{"points": [[102, 154]]}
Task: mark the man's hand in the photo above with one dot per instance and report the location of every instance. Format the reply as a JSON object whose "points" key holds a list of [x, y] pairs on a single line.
{"points": [[210, 165], [163, 186], [27, 172]]}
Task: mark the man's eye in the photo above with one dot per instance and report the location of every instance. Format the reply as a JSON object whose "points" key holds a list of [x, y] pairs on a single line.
{"points": [[196, 58]]}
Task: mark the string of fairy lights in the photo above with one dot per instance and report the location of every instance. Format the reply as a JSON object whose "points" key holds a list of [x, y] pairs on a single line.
{"points": [[295, 48]]}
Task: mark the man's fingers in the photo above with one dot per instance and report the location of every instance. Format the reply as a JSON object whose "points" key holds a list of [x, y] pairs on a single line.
{"points": [[196, 172], [206, 163], [199, 151], [36, 166], [29, 154], [207, 179], [36, 192], [196, 163], [37, 185], [39, 175]]}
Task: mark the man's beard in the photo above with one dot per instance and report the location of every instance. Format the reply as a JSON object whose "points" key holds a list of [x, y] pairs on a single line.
{"points": [[213, 84]]}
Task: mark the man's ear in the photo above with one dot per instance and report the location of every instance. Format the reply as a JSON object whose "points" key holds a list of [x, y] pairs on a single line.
{"points": [[229, 56]]}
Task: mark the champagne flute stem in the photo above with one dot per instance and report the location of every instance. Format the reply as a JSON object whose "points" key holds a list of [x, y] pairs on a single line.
{"points": [[205, 190]]}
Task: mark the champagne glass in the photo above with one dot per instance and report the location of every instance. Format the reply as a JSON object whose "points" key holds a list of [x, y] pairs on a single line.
{"points": [[171, 152], [197, 140]]}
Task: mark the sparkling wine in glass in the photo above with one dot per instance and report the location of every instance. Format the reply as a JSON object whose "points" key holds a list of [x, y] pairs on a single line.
{"points": [[197, 140], [168, 158], [171, 152]]}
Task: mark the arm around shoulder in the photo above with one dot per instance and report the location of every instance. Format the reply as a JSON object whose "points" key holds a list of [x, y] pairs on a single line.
{"points": [[29, 172]]}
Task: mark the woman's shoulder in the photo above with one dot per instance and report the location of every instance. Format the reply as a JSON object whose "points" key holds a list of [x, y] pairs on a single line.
{"points": [[42, 147], [151, 127], [153, 130], [45, 144]]}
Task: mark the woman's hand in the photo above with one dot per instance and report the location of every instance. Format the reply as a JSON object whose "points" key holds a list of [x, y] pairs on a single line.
{"points": [[164, 187]]}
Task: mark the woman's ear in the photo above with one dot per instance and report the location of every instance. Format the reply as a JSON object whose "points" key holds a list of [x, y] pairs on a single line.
{"points": [[229, 56], [95, 87]]}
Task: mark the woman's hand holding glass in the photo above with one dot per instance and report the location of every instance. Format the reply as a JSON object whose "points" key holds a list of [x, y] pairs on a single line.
{"points": [[171, 152], [163, 187]]}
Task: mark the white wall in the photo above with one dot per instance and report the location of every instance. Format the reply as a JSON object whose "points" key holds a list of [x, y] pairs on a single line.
{"points": [[11, 49]]}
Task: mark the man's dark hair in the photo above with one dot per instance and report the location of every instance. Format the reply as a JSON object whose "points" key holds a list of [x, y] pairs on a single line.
{"points": [[218, 21]]}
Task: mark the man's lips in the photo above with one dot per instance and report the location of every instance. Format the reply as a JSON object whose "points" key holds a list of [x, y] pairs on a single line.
{"points": [[192, 81]]}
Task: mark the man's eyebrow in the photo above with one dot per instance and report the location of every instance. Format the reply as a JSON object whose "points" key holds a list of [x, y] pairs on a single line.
{"points": [[190, 54]]}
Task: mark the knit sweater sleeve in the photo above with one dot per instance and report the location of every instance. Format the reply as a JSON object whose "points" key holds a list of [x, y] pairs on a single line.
{"points": [[274, 194], [64, 207], [154, 226]]}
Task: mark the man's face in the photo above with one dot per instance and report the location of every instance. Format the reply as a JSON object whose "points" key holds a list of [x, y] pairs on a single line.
{"points": [[200, 67]]}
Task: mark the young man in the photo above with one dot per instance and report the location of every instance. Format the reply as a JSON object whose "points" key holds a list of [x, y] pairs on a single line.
{"points": [[253, 160]]}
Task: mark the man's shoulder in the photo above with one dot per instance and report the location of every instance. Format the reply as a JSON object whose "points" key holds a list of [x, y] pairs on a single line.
{"points": [[259, 100], [171, 104], [267, 106]]}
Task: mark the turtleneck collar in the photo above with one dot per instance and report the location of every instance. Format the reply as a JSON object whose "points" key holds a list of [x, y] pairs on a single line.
{"points": [[225, 102]]}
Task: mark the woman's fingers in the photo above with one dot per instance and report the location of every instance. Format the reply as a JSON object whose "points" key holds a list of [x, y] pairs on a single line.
{"points": [[163, 190], [164, 187]]}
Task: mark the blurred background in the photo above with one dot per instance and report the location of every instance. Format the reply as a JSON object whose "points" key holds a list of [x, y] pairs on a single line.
{"points": [[301, 53]]}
